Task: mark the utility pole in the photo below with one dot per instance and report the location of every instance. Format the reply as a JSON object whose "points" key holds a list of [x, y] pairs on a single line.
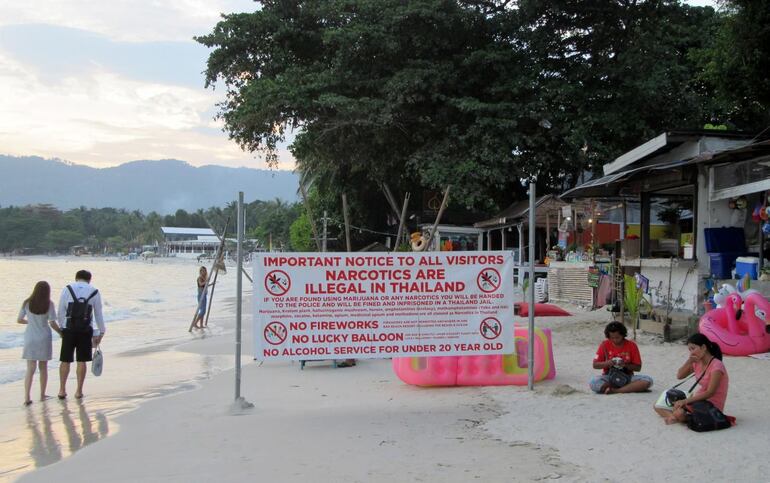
{"points": [[323, 246]]}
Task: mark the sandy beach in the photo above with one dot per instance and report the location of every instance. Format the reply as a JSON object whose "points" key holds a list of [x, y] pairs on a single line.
{"points": [[363, 424]]}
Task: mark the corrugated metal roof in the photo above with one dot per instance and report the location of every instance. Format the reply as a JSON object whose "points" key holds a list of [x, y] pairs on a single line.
{"points": [[174, 230]]}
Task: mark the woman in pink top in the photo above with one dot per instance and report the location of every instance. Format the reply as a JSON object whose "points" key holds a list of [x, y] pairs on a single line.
{"points": [[705, 360]]}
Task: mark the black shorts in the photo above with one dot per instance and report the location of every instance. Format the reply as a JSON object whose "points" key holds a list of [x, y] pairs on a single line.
{"points": [[72, 342]]}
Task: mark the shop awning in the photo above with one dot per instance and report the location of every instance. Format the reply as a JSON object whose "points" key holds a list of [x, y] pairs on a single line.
{"points": [[518, 212]]}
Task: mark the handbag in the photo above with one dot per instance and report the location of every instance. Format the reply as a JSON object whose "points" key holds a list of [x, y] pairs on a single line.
{"points": [[667, 398], [704, 416], [616, 376], [97, 363]]}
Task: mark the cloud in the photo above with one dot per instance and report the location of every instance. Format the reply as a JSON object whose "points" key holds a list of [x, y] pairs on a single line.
{"points": [[100, 118], [126, 20], [103, 83]]}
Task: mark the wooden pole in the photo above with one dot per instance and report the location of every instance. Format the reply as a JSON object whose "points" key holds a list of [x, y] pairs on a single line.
{"points": [[432, 232], [347, 220], [391, 199], [310, 216], [402, 223]]}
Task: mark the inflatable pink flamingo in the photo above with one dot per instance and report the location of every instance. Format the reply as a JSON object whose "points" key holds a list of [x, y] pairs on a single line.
{"points": [[738, 337], [756, 311]]}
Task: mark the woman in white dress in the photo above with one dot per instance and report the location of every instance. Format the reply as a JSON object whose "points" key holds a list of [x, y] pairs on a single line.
{"points": [[39, 314]]}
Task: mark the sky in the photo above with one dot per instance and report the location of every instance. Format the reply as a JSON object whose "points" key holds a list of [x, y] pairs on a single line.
{"points": [[101, 83], [105, 82]]}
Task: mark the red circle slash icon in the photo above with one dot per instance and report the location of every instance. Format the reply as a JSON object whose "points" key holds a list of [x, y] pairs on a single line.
{"points": [[277, 283], [490, 328], [275, 333], [488, 280]]}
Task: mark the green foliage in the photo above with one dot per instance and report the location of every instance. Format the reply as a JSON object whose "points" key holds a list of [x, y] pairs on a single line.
{"points": [[43, 228], [61, 240], [479, 95], [736, 63], [633, 298], [301, 235]]}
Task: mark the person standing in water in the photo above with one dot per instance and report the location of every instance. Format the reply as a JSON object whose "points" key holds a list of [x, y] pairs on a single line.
{"points": [[202, 280], [39, 315]]}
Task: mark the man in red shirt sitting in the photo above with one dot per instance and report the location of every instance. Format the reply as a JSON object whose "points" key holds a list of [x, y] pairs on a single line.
{"points": [[623, 354]]}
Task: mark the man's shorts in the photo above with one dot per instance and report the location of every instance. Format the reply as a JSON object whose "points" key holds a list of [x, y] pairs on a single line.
{"points": [[76, 343]]}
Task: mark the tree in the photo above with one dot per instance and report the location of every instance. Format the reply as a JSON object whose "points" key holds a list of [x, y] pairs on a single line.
{"points": [[736, 61], [61, 240], [472, 93], [301, 235]]}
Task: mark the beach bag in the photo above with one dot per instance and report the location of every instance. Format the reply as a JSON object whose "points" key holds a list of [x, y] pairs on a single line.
{"points": [[79, 312], [97, 363], [667, 398], [618, 377], [703, 416]]}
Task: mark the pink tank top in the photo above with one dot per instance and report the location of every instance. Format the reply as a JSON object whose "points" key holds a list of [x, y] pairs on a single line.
{"points": [[720, 396]]}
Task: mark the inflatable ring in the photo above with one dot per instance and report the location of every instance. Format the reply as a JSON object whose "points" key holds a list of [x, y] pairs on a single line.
{"points": [[418, 244]]}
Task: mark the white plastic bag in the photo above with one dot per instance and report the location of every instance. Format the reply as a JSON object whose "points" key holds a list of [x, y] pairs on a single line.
{"points": [[98, 362]]}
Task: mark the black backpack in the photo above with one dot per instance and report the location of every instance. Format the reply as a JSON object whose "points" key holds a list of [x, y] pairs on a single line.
{"points": [[79, 312]]}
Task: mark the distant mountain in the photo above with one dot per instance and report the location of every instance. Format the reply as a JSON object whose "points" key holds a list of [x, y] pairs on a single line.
{"points": [[163, 186]]}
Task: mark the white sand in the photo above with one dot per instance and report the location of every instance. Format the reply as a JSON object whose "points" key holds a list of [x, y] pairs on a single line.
{"points": [[363, 424]]}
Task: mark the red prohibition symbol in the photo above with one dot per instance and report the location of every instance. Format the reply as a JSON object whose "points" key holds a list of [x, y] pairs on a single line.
{"points": [[488, 280], [275, 333], [277, 283], [490, 328]]}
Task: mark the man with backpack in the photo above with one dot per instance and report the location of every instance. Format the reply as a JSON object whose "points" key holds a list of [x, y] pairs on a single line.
{"points": [[80, 317]]}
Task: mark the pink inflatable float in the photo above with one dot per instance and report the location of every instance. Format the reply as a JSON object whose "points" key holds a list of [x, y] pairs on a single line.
{"points": [[739, 331], [541, 310], [489, 370]]}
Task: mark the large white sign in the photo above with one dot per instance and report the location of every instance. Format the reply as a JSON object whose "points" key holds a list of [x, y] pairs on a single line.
{"points": [[312, 306]]}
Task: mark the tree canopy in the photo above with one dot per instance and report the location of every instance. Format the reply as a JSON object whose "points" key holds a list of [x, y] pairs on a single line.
{"points": [[45, 229], [479, 94]]}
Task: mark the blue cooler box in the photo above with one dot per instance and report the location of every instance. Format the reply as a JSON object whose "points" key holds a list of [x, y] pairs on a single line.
{"points": [[747, 265], [722, 264]]}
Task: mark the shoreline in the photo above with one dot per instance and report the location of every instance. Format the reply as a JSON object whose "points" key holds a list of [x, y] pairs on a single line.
{"points": [[363, 424]]}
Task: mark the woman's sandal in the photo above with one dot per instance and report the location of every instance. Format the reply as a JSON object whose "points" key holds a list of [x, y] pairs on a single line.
{"points": [[28, 403]]}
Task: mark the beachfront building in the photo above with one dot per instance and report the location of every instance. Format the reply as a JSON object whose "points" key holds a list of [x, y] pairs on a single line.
{"points": [[188, 242], [568, 241], [689, 204]]}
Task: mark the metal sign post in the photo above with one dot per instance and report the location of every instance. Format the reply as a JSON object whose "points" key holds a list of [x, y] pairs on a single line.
{"points": [[531, 310], [239, 401]]}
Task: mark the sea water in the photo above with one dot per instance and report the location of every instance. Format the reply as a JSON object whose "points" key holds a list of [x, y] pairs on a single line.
{"points": [[148, 307], [145, 303]]}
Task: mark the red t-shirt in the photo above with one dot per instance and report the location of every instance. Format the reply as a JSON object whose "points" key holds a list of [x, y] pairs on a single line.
{"points": [[629, 352]]}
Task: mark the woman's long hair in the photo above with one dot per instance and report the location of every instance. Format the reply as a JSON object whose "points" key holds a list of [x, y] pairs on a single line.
{"points": [[712, 347], [40, 300]]}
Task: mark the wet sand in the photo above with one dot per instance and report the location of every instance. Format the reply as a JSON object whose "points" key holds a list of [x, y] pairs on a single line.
{"points": [[363, 424]]}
